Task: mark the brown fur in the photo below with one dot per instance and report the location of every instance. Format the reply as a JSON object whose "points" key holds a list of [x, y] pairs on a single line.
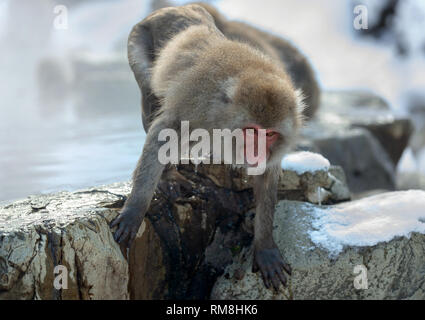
{"points": [[294, 61], [188, 70], [192, 71]]}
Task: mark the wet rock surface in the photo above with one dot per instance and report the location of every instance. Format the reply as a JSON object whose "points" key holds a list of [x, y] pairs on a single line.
{"points": [[394, 269], [70, 229], [198, 221]]}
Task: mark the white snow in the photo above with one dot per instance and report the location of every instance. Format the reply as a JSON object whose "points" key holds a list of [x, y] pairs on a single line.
{"points": [[408, 162], [368, 221], [305, 161]]}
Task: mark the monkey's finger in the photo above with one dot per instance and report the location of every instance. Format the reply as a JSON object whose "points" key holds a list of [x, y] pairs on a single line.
{"points": [[275, 280], [132, 237], [126, 242], [124, 236], [287, 267], [265, 279], [281, 276], [266, 273], [268, 280], [270, 274], [129, 241], [119, 232], [263, 274], [116, 221]]}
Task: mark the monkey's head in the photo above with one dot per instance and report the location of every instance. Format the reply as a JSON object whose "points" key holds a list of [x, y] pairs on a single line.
{"points": [[265, 101]]}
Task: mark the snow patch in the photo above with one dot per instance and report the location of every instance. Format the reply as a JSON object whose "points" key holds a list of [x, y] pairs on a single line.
{"points": [[305, 161], [408, 162], [368, 221]]}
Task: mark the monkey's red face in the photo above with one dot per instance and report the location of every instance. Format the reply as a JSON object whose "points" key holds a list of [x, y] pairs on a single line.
{"points": [[258, 143]]}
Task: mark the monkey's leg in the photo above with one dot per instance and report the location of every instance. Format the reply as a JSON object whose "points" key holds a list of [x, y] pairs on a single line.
{"points": [[145, 179], [267, 257]]}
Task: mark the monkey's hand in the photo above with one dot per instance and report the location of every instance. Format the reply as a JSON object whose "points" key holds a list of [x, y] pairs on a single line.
{"points": [[270, 262], [128, 223]]}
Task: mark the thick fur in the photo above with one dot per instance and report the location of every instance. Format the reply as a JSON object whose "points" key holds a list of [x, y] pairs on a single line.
{"points": [[295, 62], [188, 70], [216, 83]]}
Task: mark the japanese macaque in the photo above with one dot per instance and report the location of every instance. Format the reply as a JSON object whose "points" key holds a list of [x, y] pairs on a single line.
{"points": [[188, 70]]}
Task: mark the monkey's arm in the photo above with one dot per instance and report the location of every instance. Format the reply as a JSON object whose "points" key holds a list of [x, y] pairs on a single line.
{"points": [[145, 179], [267, 257], [141, 54]]}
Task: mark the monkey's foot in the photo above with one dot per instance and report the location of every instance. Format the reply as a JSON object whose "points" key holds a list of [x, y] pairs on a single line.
{"points": [[128, 223], [270, 262]]}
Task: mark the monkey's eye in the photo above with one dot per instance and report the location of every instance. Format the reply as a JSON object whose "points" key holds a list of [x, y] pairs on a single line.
{"points": [[271, 134]]}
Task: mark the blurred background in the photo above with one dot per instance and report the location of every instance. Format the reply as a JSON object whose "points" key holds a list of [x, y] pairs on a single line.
{"points": [[70, 107]]}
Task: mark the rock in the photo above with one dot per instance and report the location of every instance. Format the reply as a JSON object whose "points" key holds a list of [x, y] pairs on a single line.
{"points": [[324, 186], [366, 165], [293, 186], [353, 109], [200, 226], [197, 222], [395, 267], [418, 141], [69, 229], [410, 180], [368, 193], [393, 136], [357, 131], [353, 103], [415, 101]]}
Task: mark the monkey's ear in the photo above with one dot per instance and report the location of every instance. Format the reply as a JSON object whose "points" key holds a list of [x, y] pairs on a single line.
{"points": [[228, 90]]}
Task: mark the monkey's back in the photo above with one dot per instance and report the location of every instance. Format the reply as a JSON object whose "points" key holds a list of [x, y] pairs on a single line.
{"points": [[181, 54], [282, 50], [204, 52]]}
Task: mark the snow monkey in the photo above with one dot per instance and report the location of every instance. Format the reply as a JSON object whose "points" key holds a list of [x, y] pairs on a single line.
{"points": [[189, 71]]}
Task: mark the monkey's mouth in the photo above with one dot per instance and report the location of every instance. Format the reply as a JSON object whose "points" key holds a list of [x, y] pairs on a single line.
{"points": [[258, 144]]}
